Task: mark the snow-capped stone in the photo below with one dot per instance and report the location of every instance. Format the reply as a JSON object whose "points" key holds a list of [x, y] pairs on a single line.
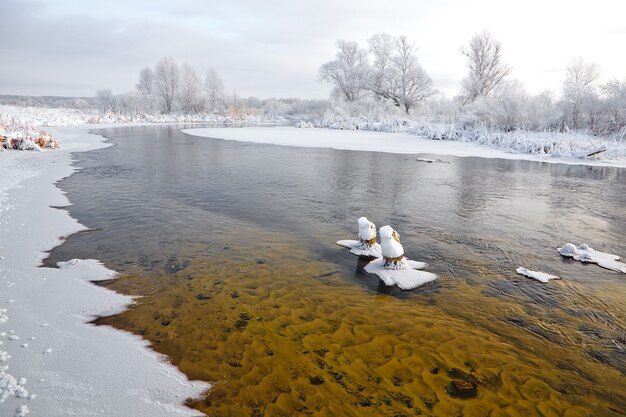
{"points": [[366, 245]]}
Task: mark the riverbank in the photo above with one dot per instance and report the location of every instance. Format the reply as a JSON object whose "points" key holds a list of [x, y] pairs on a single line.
{"points": [[400, 143], [51, 361]]}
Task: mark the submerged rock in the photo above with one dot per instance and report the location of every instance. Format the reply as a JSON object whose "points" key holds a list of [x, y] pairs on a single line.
{"points": [[460, 388]]}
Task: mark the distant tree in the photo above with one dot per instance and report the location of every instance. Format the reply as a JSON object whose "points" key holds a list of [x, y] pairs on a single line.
{"points": [[105, 100], [396, 74], [190, 95], [486, 69], [614, 93], [147, 87], [214, 87], [167, 81], [349, 72], [579, 91]]}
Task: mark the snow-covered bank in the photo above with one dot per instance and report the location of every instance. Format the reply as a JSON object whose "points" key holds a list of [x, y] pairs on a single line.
{"points": [[359, 140], [51, 362], [50, 117]]}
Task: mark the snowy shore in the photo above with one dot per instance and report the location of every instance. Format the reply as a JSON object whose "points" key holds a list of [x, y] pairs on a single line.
{"points": [[51, 362], [359, 140]]}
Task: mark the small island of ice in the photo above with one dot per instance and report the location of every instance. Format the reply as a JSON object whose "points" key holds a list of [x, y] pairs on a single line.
{"points": [[584, 253], [539, 276], [393, 267], [366, 245]]}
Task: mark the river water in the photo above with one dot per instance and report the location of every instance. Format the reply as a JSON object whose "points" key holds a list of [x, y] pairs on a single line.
{"points": [[232, 247]]}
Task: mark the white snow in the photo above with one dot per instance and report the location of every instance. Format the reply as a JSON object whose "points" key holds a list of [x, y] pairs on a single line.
{"points": [[359, 140], [390, 242], [359, 249], [584, 253], [69, 367], [405, 279], [539, 276]]}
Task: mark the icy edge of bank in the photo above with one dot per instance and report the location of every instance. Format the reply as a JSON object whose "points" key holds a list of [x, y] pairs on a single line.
{"points": [[358, 140], [63, 363]]}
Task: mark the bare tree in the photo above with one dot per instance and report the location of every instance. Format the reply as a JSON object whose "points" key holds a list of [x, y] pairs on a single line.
{"points": [[411, 83], [486, 69], [190, 95], [147, 87], [214, 87], [614, 92], [106, 101], [579, 91], [167, 80], [381, 46], [349, 72], [397, 74]]}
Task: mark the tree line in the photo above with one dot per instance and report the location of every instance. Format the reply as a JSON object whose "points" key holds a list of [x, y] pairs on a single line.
{"points": [[171, 88], [388, 71]]}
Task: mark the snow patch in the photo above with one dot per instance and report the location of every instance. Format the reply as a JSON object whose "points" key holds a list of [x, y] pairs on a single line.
{"points": [[88, 269], [399, 142], [358, 248]]}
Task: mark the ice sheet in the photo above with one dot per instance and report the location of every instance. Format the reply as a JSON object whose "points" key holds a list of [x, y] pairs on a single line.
{"points": [[405, 279]]}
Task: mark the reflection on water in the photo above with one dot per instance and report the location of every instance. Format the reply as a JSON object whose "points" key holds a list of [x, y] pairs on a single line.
{"points": [[232, 245]]}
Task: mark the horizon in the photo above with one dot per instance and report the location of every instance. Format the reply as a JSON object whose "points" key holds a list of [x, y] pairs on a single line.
{"points": [[275, 51]]}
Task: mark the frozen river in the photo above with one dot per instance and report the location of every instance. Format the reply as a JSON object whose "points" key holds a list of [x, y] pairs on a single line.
{"points": [[234, 246]]}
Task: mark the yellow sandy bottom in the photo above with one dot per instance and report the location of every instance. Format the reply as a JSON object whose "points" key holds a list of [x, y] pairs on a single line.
{"points": [[287, 337]]}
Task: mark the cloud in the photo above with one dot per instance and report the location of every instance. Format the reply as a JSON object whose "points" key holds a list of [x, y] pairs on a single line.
{"points": [[275, 48]]}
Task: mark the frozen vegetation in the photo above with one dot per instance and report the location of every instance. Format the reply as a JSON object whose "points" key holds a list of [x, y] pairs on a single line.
{"points": [[19, 133]]}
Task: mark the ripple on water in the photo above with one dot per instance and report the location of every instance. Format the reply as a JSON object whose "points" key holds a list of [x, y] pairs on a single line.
{"points": [[233, 249]]}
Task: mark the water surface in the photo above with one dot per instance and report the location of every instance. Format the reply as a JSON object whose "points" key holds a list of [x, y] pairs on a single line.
{"points": [[232, 246]]}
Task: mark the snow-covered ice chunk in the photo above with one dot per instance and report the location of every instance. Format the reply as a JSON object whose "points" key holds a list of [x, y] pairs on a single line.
{"points": [[430, 161], [539, 276], [585, 253], [406, 279], [49, 350], [366, 245], [393, 267], [88, 269], [357, 248]]}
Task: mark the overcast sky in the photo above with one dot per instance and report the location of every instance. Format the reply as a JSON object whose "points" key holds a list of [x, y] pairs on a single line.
{"points": [[274, 48]]}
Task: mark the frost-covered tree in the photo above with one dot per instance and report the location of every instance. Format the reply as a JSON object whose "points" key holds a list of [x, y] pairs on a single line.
{"points": [[167, 80], [411, 84], [396, 74], [580, 92], [614, 93], [349, 72], [190, 96], [105, 100], [486, 69], [147, 87], [214, 87], [381, 46]]}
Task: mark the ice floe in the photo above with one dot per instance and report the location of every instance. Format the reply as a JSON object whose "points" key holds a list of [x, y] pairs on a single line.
{"points": [[539, 276], [366, 245], [393, 268], [585, 253]]}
